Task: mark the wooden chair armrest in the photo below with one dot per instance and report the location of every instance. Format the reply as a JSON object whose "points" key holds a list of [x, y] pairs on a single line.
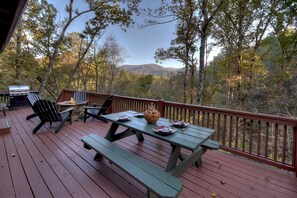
{"points": [[97, 104], [66, 110]]}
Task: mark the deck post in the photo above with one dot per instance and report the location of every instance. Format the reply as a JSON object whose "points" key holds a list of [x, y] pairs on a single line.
{"points": [[294, 154], [161, 107]]}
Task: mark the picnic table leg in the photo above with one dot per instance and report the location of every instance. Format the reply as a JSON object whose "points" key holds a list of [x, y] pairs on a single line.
{"points": [[139, 136], [175, 153], [111, 132], [187, 162], [97, 156], [198, 163]]}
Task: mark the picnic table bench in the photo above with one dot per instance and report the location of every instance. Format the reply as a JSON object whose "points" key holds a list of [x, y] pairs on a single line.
{"points": [[211, 144], [159, 183]]}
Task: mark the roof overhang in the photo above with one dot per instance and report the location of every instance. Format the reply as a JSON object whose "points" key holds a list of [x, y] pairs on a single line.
{"points": [[10, 13]]}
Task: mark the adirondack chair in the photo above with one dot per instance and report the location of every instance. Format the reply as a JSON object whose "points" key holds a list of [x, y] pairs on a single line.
{"points": [[97, 111], [32, 98], [48, 111], [80, 96]]}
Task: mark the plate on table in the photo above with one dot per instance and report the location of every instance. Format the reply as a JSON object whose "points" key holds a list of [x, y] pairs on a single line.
{"points": [[139, 115], [178, 123], [123, 118], [164, 130]]}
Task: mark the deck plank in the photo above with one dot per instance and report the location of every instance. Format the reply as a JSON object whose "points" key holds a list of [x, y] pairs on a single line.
{"points": [[53, 165], [6, 186], [37, 152], [70, 183], [18, 176], [36, 181]]}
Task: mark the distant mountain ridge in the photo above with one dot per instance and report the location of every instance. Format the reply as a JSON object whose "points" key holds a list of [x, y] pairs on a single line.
{"points": [[153, 69]]}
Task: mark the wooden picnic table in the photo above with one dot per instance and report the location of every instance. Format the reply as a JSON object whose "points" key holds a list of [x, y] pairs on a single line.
{"points": [[191, 137]]}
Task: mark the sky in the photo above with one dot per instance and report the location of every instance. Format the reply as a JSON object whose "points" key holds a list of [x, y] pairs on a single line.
{"points": [[140, 44]]}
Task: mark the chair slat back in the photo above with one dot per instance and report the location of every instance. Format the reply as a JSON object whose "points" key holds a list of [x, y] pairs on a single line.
{"points": [[33, 97], [105, 105], [80, 96], [47, 111]]}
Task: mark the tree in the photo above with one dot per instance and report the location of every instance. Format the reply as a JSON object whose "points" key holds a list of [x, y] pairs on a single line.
{"points": [[183, 48], [104, 10], [207, 14], [115, 56], [194, 21]]}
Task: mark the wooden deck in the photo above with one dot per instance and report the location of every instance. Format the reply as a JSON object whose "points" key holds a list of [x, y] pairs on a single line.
{"points": [[57, 165]]}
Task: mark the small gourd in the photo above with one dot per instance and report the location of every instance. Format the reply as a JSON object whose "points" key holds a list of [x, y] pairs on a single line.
{"points": [[72, 101], [151, 115]]}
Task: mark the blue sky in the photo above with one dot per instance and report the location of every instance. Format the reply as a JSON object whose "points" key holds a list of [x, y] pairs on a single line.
{"points": [[139, 44]]}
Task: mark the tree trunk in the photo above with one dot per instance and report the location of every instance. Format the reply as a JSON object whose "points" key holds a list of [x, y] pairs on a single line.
{"points": [[239, 52], [81, 57], [203, 38], [18, 53], [201, 68], [58, 43], [185, 81]]}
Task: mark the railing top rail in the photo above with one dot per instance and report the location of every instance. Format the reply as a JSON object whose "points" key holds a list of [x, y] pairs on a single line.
{"points": [[137, 99], [237, 113]]}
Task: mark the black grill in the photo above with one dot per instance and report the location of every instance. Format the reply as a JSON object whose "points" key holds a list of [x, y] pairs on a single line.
{"points": [[18, 96]]}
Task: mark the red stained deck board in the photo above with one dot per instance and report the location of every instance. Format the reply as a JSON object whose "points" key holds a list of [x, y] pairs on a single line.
{"points": [[18, 177], [6, 186], [255, 169], [78, 148], [251, 171], [88, 156], [70, 183], [56, 187], [73, 165], [96, 176], [36, 181]]}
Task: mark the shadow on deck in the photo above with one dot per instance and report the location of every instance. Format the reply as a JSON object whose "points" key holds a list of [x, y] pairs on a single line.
{"points": [[57, 165]]}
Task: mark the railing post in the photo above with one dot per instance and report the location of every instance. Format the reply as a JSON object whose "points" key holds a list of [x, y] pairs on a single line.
{"points": [[294, 154], [161, 107], [110, 107]]}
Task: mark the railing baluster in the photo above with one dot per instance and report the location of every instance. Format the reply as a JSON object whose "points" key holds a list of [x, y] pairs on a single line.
{"points": [[244, 133], [275, 142], [230, 130], [224, 130], [259, 138], [266, 139], [236, 133], [213, 120], [203, 118], [251, 137], [207, 122], [284, 145], [218, 127], [294, 152]]}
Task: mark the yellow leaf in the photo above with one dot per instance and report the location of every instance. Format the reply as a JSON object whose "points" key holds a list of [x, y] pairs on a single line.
{"points": [[267, 179], [213, 194]]}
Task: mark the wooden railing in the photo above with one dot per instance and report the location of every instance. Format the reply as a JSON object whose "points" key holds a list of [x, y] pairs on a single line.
{"points": [[265, 138], [4, 97]]}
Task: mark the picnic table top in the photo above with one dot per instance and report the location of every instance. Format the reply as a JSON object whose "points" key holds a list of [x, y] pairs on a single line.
{"points": [[190, 137]]}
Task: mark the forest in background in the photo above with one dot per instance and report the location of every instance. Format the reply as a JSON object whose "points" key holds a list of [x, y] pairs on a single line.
{"points": [[255, 71]]}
